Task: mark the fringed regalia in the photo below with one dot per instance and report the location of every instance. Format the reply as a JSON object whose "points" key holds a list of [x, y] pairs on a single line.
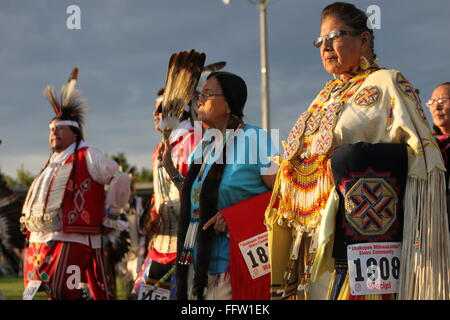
{"points": [[374, 106]]}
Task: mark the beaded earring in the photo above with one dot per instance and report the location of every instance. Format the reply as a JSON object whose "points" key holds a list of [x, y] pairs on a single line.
{"points": [[364, 63]]}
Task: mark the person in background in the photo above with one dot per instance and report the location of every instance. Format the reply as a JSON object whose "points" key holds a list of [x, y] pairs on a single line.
{"points": [[161, 222], [439, 105], [64, 212]]}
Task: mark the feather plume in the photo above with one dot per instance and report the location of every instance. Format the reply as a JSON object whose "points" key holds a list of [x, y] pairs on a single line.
{"points": [[69, 87], [50, 95], [71, 106], [183, 75], [216, 66]]}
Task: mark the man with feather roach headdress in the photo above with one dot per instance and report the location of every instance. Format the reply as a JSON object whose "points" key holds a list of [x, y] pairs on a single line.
{"points": [[65, 209]]}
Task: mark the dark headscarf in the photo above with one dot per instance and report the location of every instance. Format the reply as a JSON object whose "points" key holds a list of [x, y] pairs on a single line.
{"points": [[234, 90]]}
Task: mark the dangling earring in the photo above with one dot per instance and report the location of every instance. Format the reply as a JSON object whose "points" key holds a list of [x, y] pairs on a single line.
{"points": [[364, 63]]}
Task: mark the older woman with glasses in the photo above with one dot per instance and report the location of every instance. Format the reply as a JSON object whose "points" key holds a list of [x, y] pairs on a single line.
{"points": [[439, 105], [229, 166], [360, 189]]}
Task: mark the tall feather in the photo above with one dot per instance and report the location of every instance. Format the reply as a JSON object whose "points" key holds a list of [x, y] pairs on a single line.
{"points": [[68, 88], [183, 75], [72, 106], [216, 66], [50, 95]]}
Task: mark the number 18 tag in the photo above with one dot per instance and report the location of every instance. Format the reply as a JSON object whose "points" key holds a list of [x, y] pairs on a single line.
{"points": [[374, 268], [256, 255]]}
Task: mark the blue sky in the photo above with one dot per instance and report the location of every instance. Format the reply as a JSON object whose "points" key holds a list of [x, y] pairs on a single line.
{"points": [[123, 48]]}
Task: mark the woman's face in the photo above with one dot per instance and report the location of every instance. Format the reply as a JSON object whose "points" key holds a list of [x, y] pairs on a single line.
{"points": [[441, 111], [212, 106], [342, 54]]}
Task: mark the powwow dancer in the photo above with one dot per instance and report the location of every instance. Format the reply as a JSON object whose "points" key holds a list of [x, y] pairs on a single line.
{"points": [[369, 126], [64, 211], [161, 222], [222, 177]]}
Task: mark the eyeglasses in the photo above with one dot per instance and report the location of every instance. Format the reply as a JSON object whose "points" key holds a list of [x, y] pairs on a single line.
{"points": [[203, 96], [431, 102], [333, 35]]}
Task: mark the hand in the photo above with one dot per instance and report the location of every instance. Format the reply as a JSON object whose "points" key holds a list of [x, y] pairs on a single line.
{"points": [[330, 172], [165, 156], [220, 225]]}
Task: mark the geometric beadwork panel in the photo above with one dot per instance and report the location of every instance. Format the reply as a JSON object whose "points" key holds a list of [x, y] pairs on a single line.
{"points": [[371, 206], [368, 97]]}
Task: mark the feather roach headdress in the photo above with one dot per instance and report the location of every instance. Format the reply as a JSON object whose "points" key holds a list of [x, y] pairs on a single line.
{"points": [[70, 107], [183, 74]]}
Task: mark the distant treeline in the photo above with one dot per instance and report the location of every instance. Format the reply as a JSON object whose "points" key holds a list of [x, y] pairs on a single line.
{"points": [[24, 178]]}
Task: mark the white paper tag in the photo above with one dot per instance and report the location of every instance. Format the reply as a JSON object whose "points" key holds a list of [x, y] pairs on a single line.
{"points": [[374, 268], [31, 289], [151, 292], [256, 255]]}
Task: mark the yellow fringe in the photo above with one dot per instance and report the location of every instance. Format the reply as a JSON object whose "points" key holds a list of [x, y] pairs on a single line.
{"points": [[425, 268]]}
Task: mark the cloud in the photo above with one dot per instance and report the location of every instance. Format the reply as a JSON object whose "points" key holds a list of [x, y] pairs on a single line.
{"points": [[123, 50]]}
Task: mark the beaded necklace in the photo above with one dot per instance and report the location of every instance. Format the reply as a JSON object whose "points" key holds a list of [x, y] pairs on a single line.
{"points": [[305, 185], [186, 256]]}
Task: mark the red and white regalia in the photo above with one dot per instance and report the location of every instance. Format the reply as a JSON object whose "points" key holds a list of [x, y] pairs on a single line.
{"points": [[64, 213], [162, 247]]}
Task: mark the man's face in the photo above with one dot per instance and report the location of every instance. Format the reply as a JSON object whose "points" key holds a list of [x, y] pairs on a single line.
{"points": [[440, 108], [60, 137], [157, 112]]}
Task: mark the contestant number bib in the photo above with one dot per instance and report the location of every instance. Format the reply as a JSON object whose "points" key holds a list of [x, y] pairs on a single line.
{"points": [[31, 289], [256, 255], [151, 292], [374, 268]]}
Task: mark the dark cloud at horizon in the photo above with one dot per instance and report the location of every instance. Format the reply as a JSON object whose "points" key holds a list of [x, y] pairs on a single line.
{"points": [[123, 49]]}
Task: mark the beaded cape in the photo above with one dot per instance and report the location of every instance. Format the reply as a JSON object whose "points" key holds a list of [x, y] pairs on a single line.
{"points": [[375, 106]]}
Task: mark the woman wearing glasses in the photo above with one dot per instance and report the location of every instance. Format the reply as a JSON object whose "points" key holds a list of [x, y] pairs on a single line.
{"points": [[231, 164], [360, 171], [439, 105]]}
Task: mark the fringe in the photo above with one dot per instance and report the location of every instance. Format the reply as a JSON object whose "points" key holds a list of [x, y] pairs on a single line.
{"points": [[425, 249], [303, 206], [186, 256]]}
